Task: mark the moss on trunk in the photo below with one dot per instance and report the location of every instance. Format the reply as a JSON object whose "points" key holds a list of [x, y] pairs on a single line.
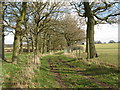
{"points": [[16, 45], [90, 31]]}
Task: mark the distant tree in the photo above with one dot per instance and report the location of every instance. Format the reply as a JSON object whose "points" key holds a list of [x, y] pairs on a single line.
{"points": [[111, 41], [104, 42], [118, 41], [98, 42]]}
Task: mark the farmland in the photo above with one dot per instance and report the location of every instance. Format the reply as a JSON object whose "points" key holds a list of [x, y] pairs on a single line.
{"points": [[108, 53]]}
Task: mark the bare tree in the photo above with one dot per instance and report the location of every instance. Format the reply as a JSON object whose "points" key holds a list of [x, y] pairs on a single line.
{"points": [[14, 18], [2, 17], [1, 34], [95, 13], [69, 28]]}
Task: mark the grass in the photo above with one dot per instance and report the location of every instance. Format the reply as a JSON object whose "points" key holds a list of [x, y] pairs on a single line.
{"points": [[45, 78], [104, 74], [108, 53], [70, 78], [107, 46], [8, 55], [12, 73], [9, 71]]}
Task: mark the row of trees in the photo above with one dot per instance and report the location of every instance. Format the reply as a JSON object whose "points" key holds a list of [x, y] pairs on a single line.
{"points": [[43, 25], [111, 41]]}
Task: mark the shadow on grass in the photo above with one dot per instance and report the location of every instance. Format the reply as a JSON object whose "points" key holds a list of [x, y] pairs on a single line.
{"points": [[71, 60], [92, 69], [100, 71], [45, 68], [57, 70]]}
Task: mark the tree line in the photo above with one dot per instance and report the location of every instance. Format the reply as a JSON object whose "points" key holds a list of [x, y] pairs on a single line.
{"points": [[46, 27], [111, 41], [43, 27]]}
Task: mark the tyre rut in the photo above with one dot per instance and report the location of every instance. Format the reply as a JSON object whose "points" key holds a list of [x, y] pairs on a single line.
{"points": [[75, 69], [57, 75]]}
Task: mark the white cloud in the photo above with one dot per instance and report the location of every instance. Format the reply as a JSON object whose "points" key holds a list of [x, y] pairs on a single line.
{"points": [[9, 39], [106, 32]]}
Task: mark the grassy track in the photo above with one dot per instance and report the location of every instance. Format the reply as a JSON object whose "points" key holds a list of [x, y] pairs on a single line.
{"points": [[60, 71], [44, 77], [69, 78], [63, 72], [104, 74]]}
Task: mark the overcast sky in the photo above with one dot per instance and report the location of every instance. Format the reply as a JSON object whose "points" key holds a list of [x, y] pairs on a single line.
{"points": [[107, 32], [103, 32]]}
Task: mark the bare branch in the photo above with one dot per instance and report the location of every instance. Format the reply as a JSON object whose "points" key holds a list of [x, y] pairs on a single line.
{"points": [[106, 18], [78, 10], [104, 7]]}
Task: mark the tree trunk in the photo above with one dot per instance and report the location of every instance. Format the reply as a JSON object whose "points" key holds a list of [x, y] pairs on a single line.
{"points": [[67, 40], [50, 45], [36, 45], [87, 43], [36, 51], [1, 46], [1, 28], [48, 42], [28, 46], [43, 46], [3, 56], [87, 38], [21, 45], [90, 30], [16, 45], [32, 44], [1, 33], [91, 37]]}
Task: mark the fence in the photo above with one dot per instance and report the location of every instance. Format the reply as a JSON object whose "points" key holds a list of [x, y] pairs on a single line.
{"points": [[76, 50]]}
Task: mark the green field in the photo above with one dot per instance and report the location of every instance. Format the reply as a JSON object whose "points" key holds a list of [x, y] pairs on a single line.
{"points": [[108, 53], [61, 71]]}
